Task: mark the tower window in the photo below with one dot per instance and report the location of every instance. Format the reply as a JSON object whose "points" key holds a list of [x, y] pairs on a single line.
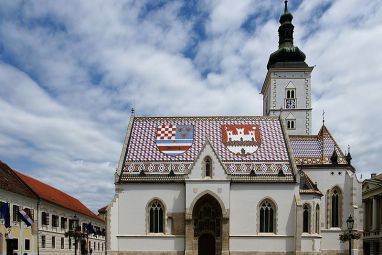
{"points": [[290, 99], [291, 124], [290, 93]]}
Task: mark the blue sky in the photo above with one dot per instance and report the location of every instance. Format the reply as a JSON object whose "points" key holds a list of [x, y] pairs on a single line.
{"points": [[70, 71]]}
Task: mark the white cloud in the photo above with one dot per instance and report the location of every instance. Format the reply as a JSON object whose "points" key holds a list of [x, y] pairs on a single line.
{"points": [[71, 70]]}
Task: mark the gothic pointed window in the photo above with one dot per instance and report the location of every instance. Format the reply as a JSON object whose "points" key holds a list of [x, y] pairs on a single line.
{"points": [[267, 216], [208, 167], [317, 219], [306, 218], [335, 208], [156, 217]]}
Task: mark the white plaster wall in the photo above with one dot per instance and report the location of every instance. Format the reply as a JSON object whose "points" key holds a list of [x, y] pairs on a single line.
{"points": [[196, 189], [154, 243], [326, 181], [244, 201], [134, 199], [262, 243], [132, 203], [310, 243]]}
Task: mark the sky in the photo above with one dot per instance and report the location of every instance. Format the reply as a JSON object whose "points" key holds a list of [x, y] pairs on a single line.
{"points": [[70, 72]]}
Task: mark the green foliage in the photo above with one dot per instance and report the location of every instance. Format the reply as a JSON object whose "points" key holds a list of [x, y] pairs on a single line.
{"points": [[344, 237]]}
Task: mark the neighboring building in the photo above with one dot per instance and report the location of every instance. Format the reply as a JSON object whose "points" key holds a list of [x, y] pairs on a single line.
{"points": [[237, 185], [372, 204], [19, 238], [55, 213]]}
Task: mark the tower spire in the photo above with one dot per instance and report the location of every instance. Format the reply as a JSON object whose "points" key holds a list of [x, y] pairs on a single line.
{"points": [[287, 52]]}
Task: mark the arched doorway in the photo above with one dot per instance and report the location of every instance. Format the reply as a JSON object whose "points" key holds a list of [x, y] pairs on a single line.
{"points": [[207, 223]]}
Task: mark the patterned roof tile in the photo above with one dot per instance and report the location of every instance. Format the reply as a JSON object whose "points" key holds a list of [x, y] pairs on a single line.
{"points": [[143, 153]]}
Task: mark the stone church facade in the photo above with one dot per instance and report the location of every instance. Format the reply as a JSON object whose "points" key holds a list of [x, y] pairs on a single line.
{"points": [[237, 184]]}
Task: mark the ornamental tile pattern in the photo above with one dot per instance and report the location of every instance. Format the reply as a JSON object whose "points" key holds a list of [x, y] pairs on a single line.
{"points": [[315, 149], [143, 154]]}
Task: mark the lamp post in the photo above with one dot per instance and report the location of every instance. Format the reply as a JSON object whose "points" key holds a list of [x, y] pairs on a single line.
{"points": [[350, 225]]}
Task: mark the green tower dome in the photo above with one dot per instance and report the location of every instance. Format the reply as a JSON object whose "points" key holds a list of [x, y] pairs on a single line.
{"points": [[287, 55]]}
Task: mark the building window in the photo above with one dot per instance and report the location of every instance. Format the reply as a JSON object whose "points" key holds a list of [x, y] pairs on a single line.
{"points": [[291, 124], [72, 224], [208, 167], [317, 219], [27, 244], [62, 243], [29, 212], [335, 209], [98, 246], [267, 214], [290, 99], [306, 218], [70, 243], [54, 221], [156, 217], [64, 222], [16, 210], [1, 206], [45, 218], [43, 242], [53, 242]]}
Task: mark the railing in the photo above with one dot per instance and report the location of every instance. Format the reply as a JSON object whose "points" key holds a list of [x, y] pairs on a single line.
{"points": [[373, 233]]}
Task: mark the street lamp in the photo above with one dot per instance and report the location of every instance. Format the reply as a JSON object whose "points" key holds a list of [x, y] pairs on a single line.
{"points": [[350, 224]]}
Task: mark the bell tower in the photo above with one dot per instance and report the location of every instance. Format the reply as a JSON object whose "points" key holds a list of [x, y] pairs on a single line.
{"points": [[287, 87]]}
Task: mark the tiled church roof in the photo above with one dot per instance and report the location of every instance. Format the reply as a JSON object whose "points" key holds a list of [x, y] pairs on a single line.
{"points": [[307, 186], [143, 155], [315, 149]]}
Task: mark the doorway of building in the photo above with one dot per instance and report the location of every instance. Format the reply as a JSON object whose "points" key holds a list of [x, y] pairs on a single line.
{"points": [[12, 245], [206, 244], [207, 220]]}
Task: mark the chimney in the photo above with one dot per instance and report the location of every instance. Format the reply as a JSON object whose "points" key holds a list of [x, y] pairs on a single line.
{"points": [[373, 175]]}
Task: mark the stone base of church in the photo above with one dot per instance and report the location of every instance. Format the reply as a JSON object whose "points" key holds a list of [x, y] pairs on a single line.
{"points": [[145, 253], [230, 253], [260, 253]]}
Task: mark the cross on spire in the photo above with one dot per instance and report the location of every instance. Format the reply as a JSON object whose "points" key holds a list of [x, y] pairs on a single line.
{"points": [[286, 6], [323, 117]]}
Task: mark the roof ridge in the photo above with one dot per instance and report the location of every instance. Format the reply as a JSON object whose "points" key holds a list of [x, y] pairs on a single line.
{"points": [[210, 116]]}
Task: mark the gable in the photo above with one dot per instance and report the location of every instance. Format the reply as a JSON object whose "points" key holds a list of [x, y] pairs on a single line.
{"points": [[197, 170]]}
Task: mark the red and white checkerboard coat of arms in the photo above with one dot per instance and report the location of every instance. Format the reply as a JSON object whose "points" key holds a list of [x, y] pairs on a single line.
{"points": [[174, 139], [241, 139]]}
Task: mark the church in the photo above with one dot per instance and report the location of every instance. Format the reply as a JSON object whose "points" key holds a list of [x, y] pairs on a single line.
{"points": [[238, 185]]}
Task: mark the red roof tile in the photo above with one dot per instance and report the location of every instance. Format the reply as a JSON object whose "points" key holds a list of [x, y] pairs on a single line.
{"points": [[10, 181], [53, 195]]}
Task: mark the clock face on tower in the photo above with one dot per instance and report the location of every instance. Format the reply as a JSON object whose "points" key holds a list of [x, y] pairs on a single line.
{"points": [[290, 103]]}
